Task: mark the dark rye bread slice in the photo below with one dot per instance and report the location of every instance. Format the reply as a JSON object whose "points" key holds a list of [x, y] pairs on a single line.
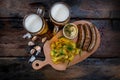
{"points": [[81, 36], [87, 37]]}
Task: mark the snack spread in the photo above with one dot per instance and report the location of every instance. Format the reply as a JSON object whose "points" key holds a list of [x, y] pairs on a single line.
{"points": [[74, 43], [62, 51]]}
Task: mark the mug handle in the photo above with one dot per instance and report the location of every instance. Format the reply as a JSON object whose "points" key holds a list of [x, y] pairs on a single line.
{"points": [[41, 11], [56, 29]]}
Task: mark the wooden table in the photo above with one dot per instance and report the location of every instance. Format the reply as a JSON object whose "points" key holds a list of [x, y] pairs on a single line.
{"points": [[104, 64]]}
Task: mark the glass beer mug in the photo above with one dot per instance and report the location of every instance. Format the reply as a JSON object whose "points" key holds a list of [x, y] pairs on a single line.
{"points": [[59, 15], [35, 23]]}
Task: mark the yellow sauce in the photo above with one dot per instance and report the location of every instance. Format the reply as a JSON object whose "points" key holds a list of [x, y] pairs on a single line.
{"points": [[70, 31]]}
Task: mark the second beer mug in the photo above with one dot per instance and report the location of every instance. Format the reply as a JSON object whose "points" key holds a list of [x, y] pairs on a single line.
{"points": [[59, 15], [35, 23]]}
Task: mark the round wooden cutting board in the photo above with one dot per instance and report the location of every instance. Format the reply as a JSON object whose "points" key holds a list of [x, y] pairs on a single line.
{"points": [[63, 66]]}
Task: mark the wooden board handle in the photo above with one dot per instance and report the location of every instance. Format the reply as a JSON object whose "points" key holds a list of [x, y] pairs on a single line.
{"points": [[38, 64]]}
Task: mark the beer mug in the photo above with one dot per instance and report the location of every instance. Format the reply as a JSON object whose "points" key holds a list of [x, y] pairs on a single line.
{"points": [[35, 23], [59, 15]]}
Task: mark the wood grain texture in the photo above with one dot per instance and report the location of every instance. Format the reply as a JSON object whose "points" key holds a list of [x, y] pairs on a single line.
{"points": [[90, 69], [78, 8], [110, 39]]}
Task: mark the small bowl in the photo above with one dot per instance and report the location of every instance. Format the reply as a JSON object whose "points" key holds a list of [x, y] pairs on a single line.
{"points": [[70, 31]]}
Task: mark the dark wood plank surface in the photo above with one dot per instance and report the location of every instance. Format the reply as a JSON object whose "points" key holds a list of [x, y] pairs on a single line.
{"points": [[79, 8], [104, 64], [90, 69]]}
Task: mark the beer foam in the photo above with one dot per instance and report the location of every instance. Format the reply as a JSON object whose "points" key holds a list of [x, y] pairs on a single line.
{"points": [[33, 23], [60, 12]]}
